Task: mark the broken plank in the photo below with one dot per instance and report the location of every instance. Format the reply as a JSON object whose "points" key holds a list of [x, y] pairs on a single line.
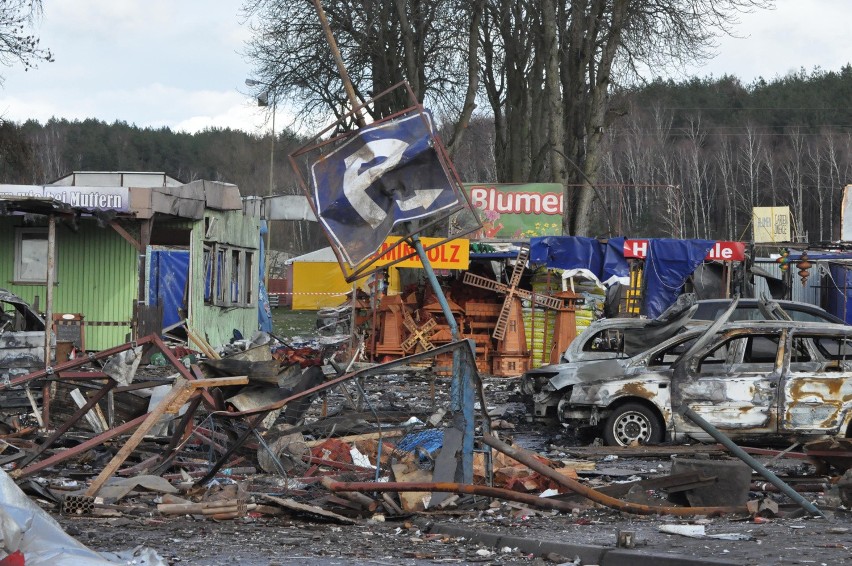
{"points": [[290, 505]]}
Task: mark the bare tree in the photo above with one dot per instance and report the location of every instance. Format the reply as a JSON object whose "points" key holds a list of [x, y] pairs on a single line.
{"points": [[726, 164], [837, 153], [382, 42], [750, 166], [793, 169], [17, 44], [545, 67]]}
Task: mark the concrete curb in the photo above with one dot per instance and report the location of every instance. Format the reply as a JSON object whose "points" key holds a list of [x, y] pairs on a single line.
{"points": [[588, 553]]}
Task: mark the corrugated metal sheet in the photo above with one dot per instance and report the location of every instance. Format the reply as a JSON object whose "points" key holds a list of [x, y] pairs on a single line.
{"points": [[96, 276], [807, 293]]}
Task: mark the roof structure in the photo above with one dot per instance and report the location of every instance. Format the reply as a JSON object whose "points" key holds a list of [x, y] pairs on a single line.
{"points": [[33, 205], [324, 255], [117, 179]]}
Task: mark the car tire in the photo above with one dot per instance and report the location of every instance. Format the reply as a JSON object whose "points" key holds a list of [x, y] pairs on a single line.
{"points": [[633, 423]]}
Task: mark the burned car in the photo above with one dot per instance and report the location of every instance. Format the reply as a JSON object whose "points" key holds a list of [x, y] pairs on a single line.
{"points": [[21, 347], [605, 338], [551, 386], [763, 380], [21, 337], [609, 338]]}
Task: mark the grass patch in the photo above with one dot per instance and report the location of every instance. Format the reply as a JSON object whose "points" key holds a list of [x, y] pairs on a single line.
{"points": [[286, 322]]}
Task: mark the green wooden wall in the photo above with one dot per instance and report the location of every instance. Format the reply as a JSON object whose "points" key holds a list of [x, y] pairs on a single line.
{"points": [[215, 323], [96, 273]]}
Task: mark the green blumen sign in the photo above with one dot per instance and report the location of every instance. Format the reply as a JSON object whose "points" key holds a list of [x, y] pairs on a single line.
{"points": [[509, 210]]}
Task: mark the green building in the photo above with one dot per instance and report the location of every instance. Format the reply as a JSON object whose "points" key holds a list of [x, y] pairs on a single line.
{"points": [[134, 252]]}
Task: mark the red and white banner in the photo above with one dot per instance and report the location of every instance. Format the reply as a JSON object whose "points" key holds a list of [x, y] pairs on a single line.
{"points": [[721, 251]]}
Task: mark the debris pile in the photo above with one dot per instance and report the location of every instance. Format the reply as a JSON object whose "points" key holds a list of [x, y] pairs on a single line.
{"points": [[265, 430]]}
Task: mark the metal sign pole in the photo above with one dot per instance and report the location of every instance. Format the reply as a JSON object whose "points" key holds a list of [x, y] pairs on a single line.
{"points": [[462, 402], [461, 389]]}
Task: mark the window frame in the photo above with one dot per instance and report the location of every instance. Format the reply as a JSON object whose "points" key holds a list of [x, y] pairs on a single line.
{"points": [[18, 276], [231, 280]]}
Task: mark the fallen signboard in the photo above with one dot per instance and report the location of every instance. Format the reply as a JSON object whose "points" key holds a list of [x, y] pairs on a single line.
{"points": [[386, 173]]}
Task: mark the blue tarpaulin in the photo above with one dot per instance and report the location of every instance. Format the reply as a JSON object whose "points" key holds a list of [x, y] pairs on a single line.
{"points": [[605, 261], [424, 444], [264, 311], [839, 292], [667, 266], [167, 284]]}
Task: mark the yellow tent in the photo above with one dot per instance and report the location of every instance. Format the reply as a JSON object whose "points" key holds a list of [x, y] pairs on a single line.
{"points": [[318, 281]]}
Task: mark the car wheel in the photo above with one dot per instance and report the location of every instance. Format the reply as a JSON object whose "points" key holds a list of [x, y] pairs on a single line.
{"points": [[633, 423]]}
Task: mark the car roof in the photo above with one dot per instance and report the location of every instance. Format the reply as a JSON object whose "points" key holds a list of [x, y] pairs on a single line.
{"points": [[790, 306], [761, 325]]}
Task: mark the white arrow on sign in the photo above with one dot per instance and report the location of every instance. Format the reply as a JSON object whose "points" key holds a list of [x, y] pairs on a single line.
{"points": [[356, 181], [422, 198]]}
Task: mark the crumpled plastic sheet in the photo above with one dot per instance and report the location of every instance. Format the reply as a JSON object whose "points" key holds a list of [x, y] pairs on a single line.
{"points": [[26, 527], [123, 365]]}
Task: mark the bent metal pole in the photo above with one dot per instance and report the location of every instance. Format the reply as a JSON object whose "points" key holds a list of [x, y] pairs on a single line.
{"points": [[751, 462], [528, 460]]}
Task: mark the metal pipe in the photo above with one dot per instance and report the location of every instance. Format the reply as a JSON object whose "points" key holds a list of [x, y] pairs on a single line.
{"points": [[436, 287], [79, 449], [752, 463], [271, 190], [48, 318], [51, 267], [532, 463], [804, 487]]}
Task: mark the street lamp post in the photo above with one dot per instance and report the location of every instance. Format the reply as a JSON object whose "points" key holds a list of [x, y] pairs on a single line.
{"points": [[263, 100]]}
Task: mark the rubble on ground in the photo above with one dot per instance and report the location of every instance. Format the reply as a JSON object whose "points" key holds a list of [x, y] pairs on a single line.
{"points": [[264, 432]]}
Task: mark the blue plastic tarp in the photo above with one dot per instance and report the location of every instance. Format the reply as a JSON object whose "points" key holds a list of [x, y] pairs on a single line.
{"points": [[839, 292], [167, 284], [264, 312], [425, 444], [667, 266], [605, 261]]}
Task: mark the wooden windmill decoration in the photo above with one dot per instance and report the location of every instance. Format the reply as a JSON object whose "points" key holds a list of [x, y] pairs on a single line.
{"points": [[512, 293], [419, 335], [512, 357]]}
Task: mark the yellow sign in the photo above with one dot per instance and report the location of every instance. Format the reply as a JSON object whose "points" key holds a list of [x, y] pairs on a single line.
{"points": [[771, 224], [454, 254]]}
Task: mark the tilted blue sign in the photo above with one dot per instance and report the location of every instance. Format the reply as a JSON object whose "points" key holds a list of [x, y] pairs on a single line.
{"points": [[386, 174]]}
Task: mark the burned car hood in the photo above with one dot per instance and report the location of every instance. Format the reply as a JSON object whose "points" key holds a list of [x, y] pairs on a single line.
{"points": [[589, 372], [32, 320]]}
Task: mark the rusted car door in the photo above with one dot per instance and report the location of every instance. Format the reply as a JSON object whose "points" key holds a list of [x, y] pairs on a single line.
{"points": [[734, 385], [816, 397]]}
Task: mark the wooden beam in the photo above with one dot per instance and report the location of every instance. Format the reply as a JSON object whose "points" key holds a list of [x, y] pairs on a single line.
{"points": [[180, 393], [126, 235]]}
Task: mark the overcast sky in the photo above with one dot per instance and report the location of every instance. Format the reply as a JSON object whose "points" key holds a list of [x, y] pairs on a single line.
{"points": [[178, 63]]}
